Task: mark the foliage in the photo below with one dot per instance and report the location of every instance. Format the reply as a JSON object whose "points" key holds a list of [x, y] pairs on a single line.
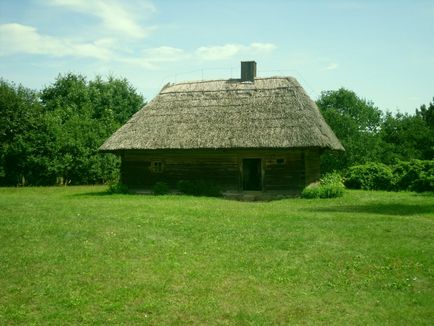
{"points": [[330, 186], [117, 188], [312, 191], [416, 175], [22, 135], [370, 176], [369, 136], [365, 117], [53, 136], [160, 188], [356, 123], [72, 256], [406, 137], [199, 188], [427, 114]]}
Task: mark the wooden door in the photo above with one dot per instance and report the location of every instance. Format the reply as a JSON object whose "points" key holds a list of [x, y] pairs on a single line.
{"points": [[252, 174]]}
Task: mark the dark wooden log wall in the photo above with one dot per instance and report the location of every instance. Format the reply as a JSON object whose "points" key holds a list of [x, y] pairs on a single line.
{"points": [[284, 172], [312, 165], [281, 170], [223, 170]]}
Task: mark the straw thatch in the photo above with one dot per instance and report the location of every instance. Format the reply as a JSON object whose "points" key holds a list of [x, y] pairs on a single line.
{"points": [[272, 113]]}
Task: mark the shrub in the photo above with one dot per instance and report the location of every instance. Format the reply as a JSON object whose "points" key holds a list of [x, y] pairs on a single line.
{"points": [[160, 188], [425, 182], [406, 172], [117, 188], [311, 191], [414, 175], [330, 186], [370, 176], [199, 188], [332, 191]]}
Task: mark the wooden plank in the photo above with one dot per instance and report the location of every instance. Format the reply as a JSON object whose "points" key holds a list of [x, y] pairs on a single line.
{"points": [[221, 167], [286, 176], [312, 165]]}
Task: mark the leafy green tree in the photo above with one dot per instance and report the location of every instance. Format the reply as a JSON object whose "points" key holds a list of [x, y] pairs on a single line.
{"points": [[20, 124], [82, 115], [427, 114], [370, 136], [113, 100], [356, 122], [405, 137], [53, 136]]}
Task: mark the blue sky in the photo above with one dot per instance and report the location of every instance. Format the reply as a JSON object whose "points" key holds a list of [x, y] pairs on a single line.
{"points": [[383, 50]]}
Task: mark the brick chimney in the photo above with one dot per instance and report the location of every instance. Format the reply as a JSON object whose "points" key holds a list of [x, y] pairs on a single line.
{"points": [[248, 71]]}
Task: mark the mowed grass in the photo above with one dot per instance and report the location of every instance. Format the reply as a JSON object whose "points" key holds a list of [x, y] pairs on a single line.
{"points": [[76, 255]]}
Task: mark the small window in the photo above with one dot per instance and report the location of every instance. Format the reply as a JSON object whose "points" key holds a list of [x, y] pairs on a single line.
{"points": [[157, 166], [280, 161]]}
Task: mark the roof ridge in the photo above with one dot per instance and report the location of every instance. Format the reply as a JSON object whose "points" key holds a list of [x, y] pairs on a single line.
{"points": [[227, 79]]}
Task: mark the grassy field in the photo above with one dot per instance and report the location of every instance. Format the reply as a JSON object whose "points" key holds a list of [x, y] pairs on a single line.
{"points": [[76, 255]]}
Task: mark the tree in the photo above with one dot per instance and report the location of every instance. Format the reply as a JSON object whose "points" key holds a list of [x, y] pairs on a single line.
{"points": [[55, 134], [114, 99], [406, 137], [427, 114], [20, 110], [82, 115], [356, 122]]}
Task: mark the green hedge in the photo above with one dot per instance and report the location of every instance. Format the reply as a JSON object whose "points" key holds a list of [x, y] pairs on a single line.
{"points": [[370, 176], [415, 175]]}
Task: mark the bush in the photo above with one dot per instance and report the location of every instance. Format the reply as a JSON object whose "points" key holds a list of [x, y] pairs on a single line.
{"points": [[311, 191], [425, 182], [415, 175], [117, 188], [160, 188], [199, 188], [370, 176], [330, 186], [406, 172]]}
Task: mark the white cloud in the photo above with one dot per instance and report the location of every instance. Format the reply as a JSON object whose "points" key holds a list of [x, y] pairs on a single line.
{"points": [[17, 38], [151, 57], [331, 66], [164, 54], [115, 15], [263, 47], [107, 42], [228, 51], [218, 52]]}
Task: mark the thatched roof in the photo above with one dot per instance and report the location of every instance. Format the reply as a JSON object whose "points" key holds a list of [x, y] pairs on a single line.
{"points": [[269, 113]]}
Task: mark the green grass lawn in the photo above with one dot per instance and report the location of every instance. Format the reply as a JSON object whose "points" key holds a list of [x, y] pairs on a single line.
{"points": [[76, 255]]}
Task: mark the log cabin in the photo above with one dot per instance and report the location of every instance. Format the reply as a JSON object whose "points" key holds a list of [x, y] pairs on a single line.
{"points": [[248, 135]]}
